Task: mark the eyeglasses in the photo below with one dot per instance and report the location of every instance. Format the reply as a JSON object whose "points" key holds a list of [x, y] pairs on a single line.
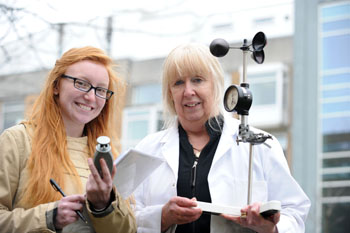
{"points": [[85, 86]]}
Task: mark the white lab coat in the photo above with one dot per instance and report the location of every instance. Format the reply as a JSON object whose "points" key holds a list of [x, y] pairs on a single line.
{"points": [[227, 178]]}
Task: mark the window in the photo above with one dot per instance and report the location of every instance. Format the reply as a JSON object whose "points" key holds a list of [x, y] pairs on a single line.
{"points": [[335, 76], [334, 47], [267, 86], [147, 94], [12, 114], [138, 122]]}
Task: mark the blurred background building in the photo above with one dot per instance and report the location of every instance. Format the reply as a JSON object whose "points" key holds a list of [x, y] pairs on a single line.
{"points": [[321, 116], [301, 92]]}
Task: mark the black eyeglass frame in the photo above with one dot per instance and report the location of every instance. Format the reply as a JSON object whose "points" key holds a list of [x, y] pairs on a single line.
{"points": [[109, 93]]}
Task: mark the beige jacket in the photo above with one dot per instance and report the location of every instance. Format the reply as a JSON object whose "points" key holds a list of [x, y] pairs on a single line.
{"points": [[15, 147]]}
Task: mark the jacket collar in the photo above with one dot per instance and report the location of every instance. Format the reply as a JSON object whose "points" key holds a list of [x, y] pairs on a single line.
{"points": [[170, 142], [228, 137], [170, 148]]}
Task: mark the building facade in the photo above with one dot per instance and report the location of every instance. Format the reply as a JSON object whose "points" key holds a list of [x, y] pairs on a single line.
{"points": [[321, 104]]}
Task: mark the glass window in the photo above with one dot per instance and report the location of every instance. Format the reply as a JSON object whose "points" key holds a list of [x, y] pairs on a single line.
{"points": [[266, 85], [336, 106], [138, 122], [336, 174], [336, 216], [263, 86], [137, 129], [338, 140], [339, 77], [335, 11], [341, 24], [338, 92], [13, 113], [147, 94], [264, 92], [337, 162], [335, 76], [335, 114], [336, 191], [336, 50]]}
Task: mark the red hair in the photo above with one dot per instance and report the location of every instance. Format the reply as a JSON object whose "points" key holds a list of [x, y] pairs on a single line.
{"points": [[49, 146]]}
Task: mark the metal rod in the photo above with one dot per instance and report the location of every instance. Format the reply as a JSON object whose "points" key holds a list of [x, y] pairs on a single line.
{"points": [[245, 52], [250, 174], [244, 120], [244, 130]]}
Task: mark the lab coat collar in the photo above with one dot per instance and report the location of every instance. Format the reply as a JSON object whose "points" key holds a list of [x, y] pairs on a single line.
{"points": [[170, 142], [228, 137], [170, 148]]}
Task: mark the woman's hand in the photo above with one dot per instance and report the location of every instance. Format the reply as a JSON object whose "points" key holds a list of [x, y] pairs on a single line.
{"points": [[66, 210], [254, 220], [178, 210], [98, 190]]}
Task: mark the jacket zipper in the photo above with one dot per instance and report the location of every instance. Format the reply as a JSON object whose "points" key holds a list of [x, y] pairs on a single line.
{"points": [[194, 176], [193, 185]]}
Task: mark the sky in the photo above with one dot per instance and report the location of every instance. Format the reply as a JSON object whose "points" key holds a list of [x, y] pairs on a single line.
{"points": [[141, 29]]}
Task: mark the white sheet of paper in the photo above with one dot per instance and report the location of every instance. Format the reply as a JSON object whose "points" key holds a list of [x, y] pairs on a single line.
{"points": [[133, 167], [218, 209], [236, 211]]}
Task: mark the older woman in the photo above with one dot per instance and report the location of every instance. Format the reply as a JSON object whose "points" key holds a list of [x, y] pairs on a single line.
{"points": [[78, 103], [204, 162]]}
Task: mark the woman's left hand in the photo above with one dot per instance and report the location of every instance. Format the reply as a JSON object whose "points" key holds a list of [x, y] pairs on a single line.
{"points": [[98, 190], [254, 220]]}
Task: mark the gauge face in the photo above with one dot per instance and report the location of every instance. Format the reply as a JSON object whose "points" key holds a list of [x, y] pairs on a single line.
{"points": [[231, 98], [238, 98]]}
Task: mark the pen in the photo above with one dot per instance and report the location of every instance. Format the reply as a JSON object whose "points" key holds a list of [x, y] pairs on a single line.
{"points": [[58, 188]]}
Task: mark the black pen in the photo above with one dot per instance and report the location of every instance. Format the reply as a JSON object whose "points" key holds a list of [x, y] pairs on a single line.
{"points": [[58, 188]]}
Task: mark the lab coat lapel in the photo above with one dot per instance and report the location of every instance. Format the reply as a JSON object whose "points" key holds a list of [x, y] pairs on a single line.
{"points": [[228, 137], [170, 149]]}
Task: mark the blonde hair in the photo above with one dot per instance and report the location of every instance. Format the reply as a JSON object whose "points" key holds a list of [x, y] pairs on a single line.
{"points": [[49, 146], [190, 60]]}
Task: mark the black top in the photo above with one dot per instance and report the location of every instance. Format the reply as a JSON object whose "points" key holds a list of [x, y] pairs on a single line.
{"points": [[193, 173]]}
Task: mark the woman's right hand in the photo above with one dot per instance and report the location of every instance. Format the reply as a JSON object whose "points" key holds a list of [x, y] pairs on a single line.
{"points": [[66, 210], [254, 220], [178, 210]]}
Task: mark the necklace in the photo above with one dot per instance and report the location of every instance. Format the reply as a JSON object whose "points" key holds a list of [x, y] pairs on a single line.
{"points": [[196, 152]]}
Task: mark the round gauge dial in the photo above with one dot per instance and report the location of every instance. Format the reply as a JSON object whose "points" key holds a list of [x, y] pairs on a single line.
{"points": [[238, 98], [231, 98]]}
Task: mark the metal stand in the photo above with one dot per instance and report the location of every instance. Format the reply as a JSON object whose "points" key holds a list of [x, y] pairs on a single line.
{"points": [[246, 135], [250, 174], [239, 98]]}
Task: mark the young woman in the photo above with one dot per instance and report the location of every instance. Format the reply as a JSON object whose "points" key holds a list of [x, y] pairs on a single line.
{"points": [[78, 103]]}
